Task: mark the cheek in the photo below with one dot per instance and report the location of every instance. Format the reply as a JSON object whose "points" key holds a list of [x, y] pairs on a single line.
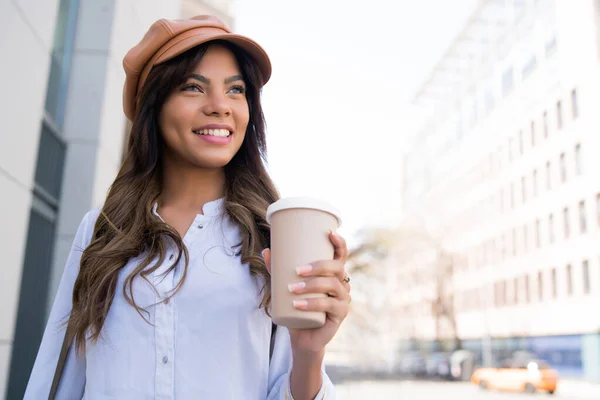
{"points": [[242, 117], [175, 118]]}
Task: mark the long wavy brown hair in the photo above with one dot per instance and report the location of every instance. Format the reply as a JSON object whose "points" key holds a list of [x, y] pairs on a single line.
{"points": [[127, 227]]}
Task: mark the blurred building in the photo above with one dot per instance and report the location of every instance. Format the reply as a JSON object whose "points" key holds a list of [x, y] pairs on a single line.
{"points": [[506, 166], [61, 145]]}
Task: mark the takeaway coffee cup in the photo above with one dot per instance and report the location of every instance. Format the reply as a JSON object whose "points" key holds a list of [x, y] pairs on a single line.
{"points": [[299, 236]]}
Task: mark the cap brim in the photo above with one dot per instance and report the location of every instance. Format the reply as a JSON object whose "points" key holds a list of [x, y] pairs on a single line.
{"points": [[246, 44]]}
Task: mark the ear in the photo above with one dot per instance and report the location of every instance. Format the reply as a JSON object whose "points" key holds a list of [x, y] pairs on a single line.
{"points": [[266, 254]]}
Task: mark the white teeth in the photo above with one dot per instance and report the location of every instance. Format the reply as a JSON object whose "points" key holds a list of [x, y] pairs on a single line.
{"points": [[213, 132]]}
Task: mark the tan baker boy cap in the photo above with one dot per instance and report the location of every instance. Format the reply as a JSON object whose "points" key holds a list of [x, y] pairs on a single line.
{"points": [[167, 39]]}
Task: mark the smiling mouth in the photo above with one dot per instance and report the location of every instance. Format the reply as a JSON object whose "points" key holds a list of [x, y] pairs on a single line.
{"points": [[213, 132]]}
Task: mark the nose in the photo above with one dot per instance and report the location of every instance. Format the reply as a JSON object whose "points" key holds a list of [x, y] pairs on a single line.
{"points": [[217, 105]]}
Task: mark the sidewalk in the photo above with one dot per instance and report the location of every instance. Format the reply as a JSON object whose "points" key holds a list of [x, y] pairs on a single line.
{"points": [[582, 389]]}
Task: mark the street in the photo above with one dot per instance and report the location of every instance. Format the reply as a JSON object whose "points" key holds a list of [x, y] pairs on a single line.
{"points": [[401, 390]]}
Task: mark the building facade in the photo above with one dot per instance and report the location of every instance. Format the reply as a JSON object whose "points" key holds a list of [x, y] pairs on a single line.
{"points": [[61, 146], [506, 165]]}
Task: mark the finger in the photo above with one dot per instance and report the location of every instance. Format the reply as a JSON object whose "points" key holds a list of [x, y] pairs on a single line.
{"points": [[347, 286], [323, 268], [266, 254], [336, 309], [326, 285], [339, 245]]}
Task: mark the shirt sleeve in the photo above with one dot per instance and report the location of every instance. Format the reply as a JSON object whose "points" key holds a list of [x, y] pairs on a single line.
{"points": [[73, 378], [281, 367]]}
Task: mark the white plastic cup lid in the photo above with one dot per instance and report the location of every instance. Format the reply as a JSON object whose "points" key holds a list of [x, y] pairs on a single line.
{"points": [[303, 202]]}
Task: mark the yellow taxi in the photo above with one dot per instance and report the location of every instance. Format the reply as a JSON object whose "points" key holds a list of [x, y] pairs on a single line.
{"points": [[527, 376]]}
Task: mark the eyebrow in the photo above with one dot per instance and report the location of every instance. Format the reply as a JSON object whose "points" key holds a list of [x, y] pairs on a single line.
{"points": [[227, 81]]}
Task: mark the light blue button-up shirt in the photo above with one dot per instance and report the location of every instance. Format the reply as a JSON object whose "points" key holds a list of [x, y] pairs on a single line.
{"points": [[210, 341]]}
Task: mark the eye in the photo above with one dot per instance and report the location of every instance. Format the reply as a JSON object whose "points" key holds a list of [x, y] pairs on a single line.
{"points": [[191, 87], [237, 89]]}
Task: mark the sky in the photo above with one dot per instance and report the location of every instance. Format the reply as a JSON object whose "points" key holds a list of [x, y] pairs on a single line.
{"points": [[338, 103]]}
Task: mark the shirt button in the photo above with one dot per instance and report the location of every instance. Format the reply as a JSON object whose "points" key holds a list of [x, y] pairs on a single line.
{"points": [[167, 300], [200, 226], [165, 359], [171, 256]]}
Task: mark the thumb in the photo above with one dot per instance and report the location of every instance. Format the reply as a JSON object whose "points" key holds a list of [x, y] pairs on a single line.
{"points": [[266, 254]]}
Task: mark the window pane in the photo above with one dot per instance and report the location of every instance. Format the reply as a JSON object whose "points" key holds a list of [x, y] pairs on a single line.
{"points": [[566, 222], [578, 159], [534, 183], [545, 123], [537, 233], [551, 228], [586, 276], [582, 218], [559, 120], [574, 105], [51, 158], [532, 133], [554, 283], [548, 175], [563, 168], [569, 278], [60, 61], [33, 299]]}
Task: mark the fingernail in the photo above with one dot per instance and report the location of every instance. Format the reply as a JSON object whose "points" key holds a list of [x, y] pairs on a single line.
{"points": [[304, 269], [296, 286], [301, 304]]}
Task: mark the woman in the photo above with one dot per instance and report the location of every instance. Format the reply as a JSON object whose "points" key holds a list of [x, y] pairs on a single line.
{"points": [[167, 288]]}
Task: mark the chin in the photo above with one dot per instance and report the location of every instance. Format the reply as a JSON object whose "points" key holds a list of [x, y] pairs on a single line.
{"points": [[212, 162]]}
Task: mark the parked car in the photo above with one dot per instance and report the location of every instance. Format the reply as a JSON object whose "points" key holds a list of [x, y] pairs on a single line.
{"points": [[413, 364], [519, 375], [438, 366]]}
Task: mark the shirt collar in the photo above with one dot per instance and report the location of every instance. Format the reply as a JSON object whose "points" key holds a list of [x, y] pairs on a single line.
{"points": [[211, 209]]}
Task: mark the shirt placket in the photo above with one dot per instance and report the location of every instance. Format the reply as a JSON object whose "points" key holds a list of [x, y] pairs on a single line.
{"points": [[164, 332]]}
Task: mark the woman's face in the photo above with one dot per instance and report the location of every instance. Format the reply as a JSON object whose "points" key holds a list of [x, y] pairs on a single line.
{"points": [[203, 122]]}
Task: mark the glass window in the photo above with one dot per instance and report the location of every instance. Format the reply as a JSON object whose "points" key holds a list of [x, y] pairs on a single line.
{"points": [[540, 280], [569, 279], [582, 217], [510, 149], [60, 61], [559, 119], [508, 81], [516, 291], [512, 195], [585, 268], [563, 168], [545, 123], [566, 221], [550, 47], [538, 241], [534, 183], [554, 283], [574, 105], [578, 159], [548, 175], [526, 284], [521, 145], [514, 241], [523, 189], [525, 238], [532, 130], [551, 228], [529, 66]]}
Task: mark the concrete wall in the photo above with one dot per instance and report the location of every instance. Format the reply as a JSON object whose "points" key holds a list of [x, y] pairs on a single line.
{"points": [[27, 28]]}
